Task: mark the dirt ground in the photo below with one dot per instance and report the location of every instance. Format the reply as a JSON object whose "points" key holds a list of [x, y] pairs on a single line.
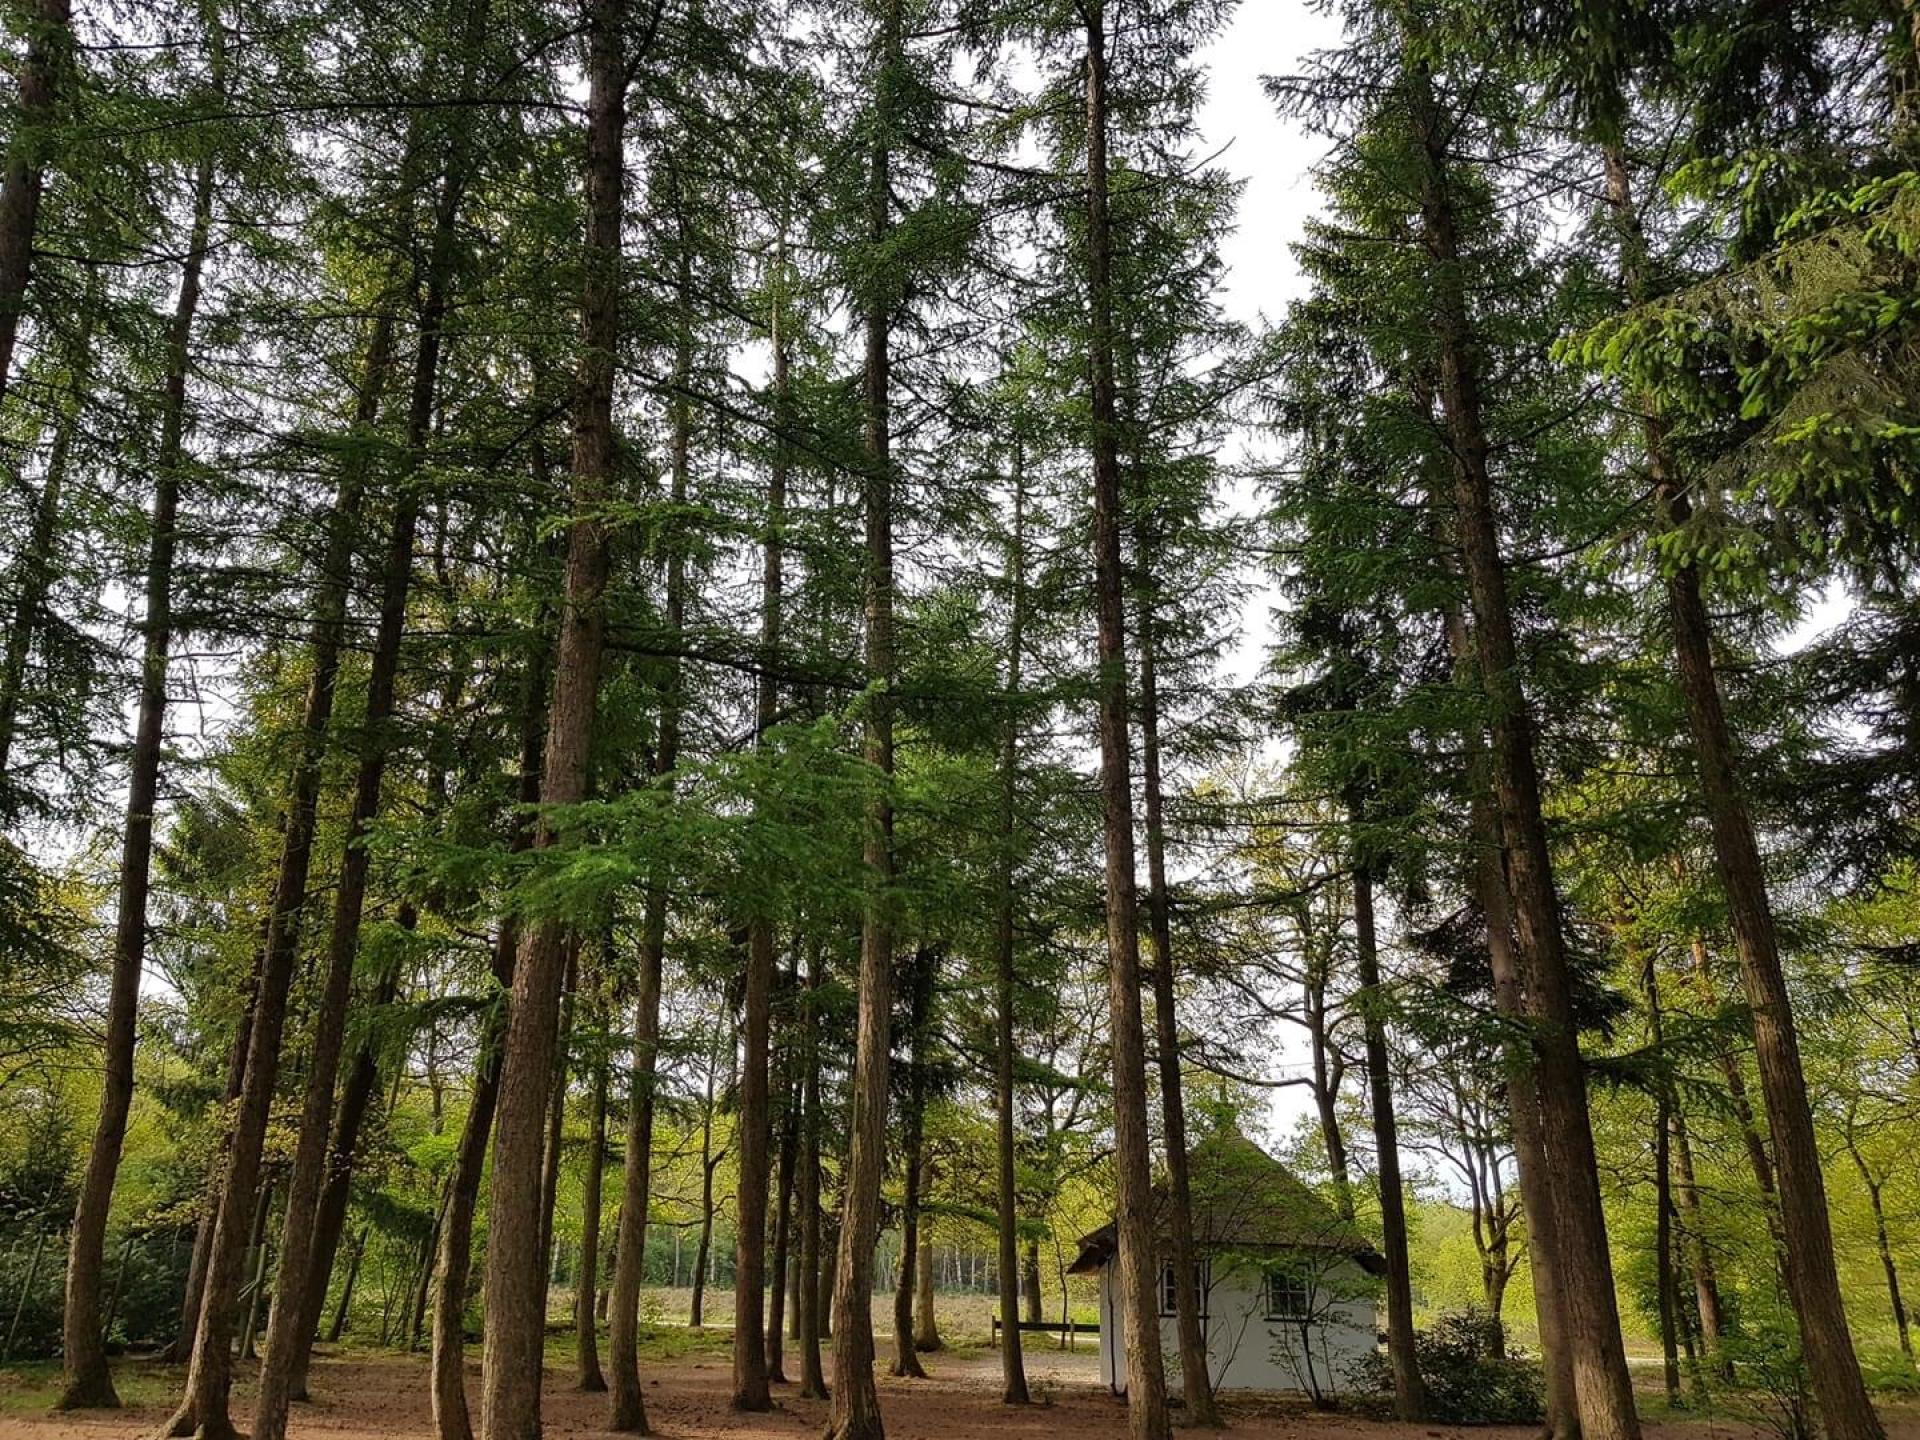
{"points": [[385, 1398]]}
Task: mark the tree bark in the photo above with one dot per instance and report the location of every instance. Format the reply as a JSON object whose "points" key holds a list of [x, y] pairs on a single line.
{"points": [[1813, 1281], [703, 1250], [1196, 1379], [782, 1268], [1885, 1248], [1326, 1083], [855, 1402], [35, 568], [516, 1286], [813, 1380], [1409, 1390], [585, 1328], [751, 1371], [1146, 1377], [626, 1403], [288, 1336], [906, 1347], [447, 1365], [1663, 1200], [86, 1380], [37, 96], [1013, 1367], [1584, 1267], [1706, 1283], [203, 1410]]}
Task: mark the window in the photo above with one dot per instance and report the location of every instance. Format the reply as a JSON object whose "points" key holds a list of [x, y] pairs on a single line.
{"points": [[1289, 1296], [1169, 1291]]}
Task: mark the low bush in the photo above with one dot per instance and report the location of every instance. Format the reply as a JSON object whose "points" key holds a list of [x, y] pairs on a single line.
{"points": [[1471, 1377]]}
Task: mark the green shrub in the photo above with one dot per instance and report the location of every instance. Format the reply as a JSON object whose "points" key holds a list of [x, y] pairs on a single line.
{"points": [[1471, 1378]]}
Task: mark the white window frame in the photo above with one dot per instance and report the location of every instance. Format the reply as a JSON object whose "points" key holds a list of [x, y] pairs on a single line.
{"points": [[1169, 1299], [1296, 1286]]}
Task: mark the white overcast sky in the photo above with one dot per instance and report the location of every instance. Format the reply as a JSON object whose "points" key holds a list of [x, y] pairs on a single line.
{"points": [[1272, 157], [1274, 160]]}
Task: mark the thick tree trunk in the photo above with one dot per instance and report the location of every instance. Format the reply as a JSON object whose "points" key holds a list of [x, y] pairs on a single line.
{"points": [[1146, 1376], [1409, 1390], [926, 1322], [1812, 1278], [86, 1381], [1013, 1365], [1030, 1280], [516, 1284], [855, 1402], [1584, 1267], [1196, 1379], [36, 98]]}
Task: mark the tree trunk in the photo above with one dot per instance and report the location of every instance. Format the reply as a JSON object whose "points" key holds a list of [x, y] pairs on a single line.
{"points": [[1663, 1200], [1013, 1367], [703, 1248], [516, 1287], [289, 1338], [751, 1370], [1706, 1283], [1812, 1279], [926, 1324], [1409, 1390], [344, 1308], [813, 1381], [1196, 1379], [855, 1413], [1326, 1086], [257, 1282], [37, 96], [1030, 1280], [783, 1247], [1584, 1267], [1146, 1377], [585, 1328], [203, 1410], [626, 1404], [906, 1347], [86, 1381], [447, 1365], [35, 568], [1883, 1245]]}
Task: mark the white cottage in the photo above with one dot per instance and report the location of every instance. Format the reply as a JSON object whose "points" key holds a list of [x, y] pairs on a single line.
{"points": [[1288, 1290]]}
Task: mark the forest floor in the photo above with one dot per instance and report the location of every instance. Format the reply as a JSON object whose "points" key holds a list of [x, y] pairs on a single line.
{"points": [[370, 1396]]}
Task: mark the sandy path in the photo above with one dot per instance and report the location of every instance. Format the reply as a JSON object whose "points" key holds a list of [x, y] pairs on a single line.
{"points": [[385, 1398]]}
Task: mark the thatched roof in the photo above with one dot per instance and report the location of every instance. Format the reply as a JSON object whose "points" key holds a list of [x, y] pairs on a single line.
{"points": [[1243, 1199]]}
